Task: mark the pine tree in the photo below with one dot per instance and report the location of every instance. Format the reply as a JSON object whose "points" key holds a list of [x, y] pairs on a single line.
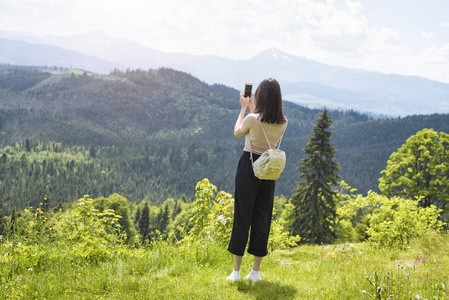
{"points": [[164, 218], [137, 217], [144, 222], [12, 221], [27, 145], [176, 210], [313, 198]]}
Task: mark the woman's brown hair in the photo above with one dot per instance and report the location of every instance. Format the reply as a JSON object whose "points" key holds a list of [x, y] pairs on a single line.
{"points": [[269, 102]]}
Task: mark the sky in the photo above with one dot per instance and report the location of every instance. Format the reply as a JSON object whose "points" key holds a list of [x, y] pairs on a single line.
{"points": [[409, 37]]}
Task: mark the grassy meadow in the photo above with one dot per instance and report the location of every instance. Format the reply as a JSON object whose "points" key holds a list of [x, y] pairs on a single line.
{"points": [[82, 252], [198, 271]]}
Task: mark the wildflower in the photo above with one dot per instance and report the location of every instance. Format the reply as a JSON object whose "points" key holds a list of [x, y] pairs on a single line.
{"points": [[30, 269], [10, 245], [19, 244], [331, 254]]}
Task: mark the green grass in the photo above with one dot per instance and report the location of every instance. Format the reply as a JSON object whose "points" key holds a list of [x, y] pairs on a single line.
{"points": [[199, 272]]}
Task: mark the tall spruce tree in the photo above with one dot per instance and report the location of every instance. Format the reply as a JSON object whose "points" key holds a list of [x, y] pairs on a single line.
{"points": [[164, 218], [313, 198], [12, 221], [144, 222], [137, 217]]}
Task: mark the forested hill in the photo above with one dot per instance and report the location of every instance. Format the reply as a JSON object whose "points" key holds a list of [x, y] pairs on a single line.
{"points": [[154, 134]]}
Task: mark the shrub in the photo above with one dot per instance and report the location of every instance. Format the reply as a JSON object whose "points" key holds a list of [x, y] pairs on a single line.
{"points": [[396, 221], [213, 214], [90, 235]]}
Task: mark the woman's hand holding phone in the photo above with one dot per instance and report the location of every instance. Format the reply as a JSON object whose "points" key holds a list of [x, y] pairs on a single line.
{"points": [[244, 101]]}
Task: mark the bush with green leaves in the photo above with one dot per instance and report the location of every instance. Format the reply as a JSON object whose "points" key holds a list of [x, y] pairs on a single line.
{"points": [[43, 239], [394, 221], [91, 235], [119, 205], [82, 234], [213, 214], [350, 224]]}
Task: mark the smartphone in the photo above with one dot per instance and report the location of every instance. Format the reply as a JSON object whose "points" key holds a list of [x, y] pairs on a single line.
{"points": [[248, 88]]}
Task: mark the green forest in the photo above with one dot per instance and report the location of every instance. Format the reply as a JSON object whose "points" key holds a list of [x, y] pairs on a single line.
{"points": [[151, 135]]}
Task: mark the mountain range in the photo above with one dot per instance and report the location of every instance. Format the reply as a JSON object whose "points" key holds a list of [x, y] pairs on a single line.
{"points": [[304, 81]]}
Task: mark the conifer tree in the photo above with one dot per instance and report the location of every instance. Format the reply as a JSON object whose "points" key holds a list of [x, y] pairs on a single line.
{"points": [[27, 145], [137, 217], [176, 210], [164, 218], [13, 220], [144, 222], [313, 198]]}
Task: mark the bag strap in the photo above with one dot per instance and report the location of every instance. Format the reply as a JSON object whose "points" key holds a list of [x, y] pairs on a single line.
{"points": [[280, 139], [269, 145]]}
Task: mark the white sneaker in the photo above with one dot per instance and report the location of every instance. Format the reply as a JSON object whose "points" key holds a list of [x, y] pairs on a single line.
{"points": [[253, 278], [233, 277]]}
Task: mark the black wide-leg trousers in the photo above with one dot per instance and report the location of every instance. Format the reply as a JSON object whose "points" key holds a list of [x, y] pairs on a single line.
{"points": [[253, 210]]}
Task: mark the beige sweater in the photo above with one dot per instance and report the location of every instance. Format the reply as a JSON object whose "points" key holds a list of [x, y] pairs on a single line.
{"points": [[251, 128]]}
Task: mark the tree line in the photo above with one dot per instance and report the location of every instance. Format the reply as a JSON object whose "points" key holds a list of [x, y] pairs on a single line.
{"points": [[151, 135], [323, 209]]}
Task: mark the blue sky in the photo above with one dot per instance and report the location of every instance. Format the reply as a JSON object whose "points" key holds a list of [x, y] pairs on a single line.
{"points": [[408, 37]]}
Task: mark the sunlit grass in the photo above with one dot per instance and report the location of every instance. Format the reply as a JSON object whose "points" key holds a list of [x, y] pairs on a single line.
{"points": [[199, 272]]}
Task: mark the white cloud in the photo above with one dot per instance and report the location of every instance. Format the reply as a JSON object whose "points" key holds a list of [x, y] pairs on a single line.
{"points": [[230, 28], [332, 31], [436, 55], [382, 39], [427, 34], [354, 8]]}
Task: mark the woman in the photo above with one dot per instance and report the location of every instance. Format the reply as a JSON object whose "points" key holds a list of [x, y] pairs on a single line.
{"points": [[254, 197]]}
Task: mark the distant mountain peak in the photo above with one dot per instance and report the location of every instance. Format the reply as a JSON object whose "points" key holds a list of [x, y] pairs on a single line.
{"points": [[276, 54]]}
